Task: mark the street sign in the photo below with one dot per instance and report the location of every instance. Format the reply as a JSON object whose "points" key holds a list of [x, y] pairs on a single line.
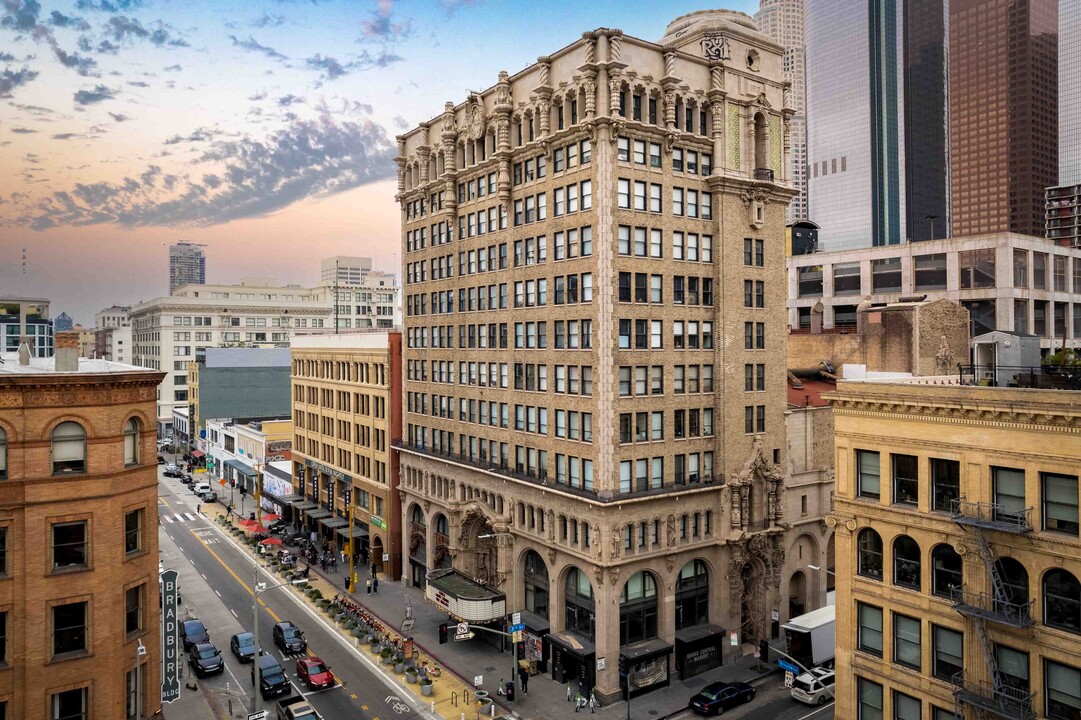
{"points": [[170, 638], [518, 627], [386, 557], [516, 618], [787, 666], [478, 680], [733, 638], [261, 715], [462, 632], [516, 636], [789, 678], [600, 663]]}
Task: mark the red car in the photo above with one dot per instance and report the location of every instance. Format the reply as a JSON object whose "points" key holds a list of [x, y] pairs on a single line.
{"points": [[314, 673]]}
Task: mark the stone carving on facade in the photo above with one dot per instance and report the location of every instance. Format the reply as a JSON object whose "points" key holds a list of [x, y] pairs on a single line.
{"points": [[614, 539], [551, 556], [589, 85], [598, 575], [545, 64], [551, 526], [716, 47], [502, 90], [476, 123], [752, 195], [597, 548], [591, 46], [944, 357], [669, 62], [670, 562], [613, 575], [615, 45]]}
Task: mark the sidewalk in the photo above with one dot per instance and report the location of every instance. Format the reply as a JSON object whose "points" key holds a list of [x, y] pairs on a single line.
{"points": [[463, 661]]}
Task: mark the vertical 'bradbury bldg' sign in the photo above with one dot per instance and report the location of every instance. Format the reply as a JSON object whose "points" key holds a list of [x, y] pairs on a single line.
{"points": [[170, 639]]}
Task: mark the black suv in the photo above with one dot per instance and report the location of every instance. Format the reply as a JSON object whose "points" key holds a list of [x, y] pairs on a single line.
{"points": [[205, 659], [288, 638], [193, 632], [272, 680]]}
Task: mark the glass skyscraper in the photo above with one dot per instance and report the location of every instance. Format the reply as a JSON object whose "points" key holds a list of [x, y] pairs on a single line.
{"points": [[876, 121]]}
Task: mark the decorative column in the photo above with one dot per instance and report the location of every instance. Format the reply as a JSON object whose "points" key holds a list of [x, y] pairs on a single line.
{"points": [[718, 107], [543, 106], [669, 82], [501, 109], [400, 162], [449, 136], [786, 119], [424, 152]]}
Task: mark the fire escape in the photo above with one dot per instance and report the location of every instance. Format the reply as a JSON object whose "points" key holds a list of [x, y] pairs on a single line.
{"points": [[997, 699]]}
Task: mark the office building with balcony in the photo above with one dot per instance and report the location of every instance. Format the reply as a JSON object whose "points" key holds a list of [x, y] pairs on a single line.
{"points": [[1064, 200], [1010, 282], [79, 614], [590, 247], [169, 331], [958, 556], [26, 320], [187, 265], [347, 415]]}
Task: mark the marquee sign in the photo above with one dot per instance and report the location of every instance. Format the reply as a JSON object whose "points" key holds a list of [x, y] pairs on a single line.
{"points": [[170, 638]]}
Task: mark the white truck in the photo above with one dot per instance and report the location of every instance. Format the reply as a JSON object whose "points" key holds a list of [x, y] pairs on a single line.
{"points": [[297, 708], [811, 637]]}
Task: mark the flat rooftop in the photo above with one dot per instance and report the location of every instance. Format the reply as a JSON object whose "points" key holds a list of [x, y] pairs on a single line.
{"points": [[9, 365]]}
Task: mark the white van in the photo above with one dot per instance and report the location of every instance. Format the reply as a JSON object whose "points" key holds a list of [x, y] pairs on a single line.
{"points": [[200, 488], [814, 687]]}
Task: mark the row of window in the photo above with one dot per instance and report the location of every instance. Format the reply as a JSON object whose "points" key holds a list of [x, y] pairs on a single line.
{"points": [[644, 474], [643, 427], [648, 335], [1059, 492], [642, 152], [648, 197], [68, 447]]}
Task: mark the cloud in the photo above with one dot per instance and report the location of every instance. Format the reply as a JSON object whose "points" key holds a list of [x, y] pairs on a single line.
{"points": [[127, 29], [252, 46], [109, 6], [68, 136], [6, 57], [451, 6], [22, 131], [252, 178], [261, 95], [95, 95], [290, 100], [268, 20], [400, 122], [24, 16], [119, 117], [173, 68], [60, 20], [12, 79], [381, 25], [197, 135], [139, 83], [331, 68]]}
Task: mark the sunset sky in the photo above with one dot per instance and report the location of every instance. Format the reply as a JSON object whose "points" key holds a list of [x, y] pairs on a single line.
{"points": [[263, 129]]}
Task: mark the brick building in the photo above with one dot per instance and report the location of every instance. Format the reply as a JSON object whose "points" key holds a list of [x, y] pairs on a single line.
{"points": [[78, 534], [593, 256]]}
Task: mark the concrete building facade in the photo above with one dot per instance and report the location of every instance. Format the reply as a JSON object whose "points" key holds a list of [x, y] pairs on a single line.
{"points": [[344, 270], [237, 382], [1007, 281], [169, 331], [347, 415], [957, 550], [78, 519], [187, 265], [587, 245], [26, 318], [238, 452], [374, 302]]}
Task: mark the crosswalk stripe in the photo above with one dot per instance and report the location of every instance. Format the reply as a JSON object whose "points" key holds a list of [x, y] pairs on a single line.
{"points": [[169, 518], [178, 517], [191, 517]]}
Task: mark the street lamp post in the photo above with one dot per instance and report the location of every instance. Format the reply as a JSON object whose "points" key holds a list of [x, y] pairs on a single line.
{"points": [[513, 643], [351, 585], [258, 589], [140, 653]]}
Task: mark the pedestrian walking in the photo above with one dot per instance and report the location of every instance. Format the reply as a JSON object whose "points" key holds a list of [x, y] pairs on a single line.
{"points": [[368, 583], [313, 538], [373, 569], [198, 509], [523, 678], [375, 585]]}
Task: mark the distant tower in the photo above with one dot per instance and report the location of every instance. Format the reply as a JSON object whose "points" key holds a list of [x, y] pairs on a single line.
{"points": [[63, 322], [187, 265], [782, 20]]}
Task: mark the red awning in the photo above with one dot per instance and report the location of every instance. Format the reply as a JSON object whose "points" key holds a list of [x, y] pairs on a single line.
{"points": [[197, 453]]}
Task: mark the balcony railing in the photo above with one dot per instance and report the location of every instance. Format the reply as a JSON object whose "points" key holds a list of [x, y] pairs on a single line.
{"points": [[991, 516], [763, 174], [1006, 702], [981, 605], [1021, 376]]}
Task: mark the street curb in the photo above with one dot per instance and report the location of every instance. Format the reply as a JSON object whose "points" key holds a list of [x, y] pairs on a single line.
{"points": [[755, 682], [408, 696]]}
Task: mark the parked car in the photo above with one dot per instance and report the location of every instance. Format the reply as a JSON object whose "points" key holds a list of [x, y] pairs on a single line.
{"points": [[200, 488], [161, 459], [313, 672], [187, 480], [209, 497], [205, 659], [193, 632], [172, 471], [717, 697], [288, 638], [272, 680], [242, 645], [814, 687]]}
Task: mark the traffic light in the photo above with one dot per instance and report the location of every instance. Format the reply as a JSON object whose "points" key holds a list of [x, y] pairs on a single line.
{"points": [[443, 634]]}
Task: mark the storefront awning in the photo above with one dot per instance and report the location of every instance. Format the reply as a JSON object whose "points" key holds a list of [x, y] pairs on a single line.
{"points": [[535, 623], [291, 499], [462, 597], [695, 633], [241, 468], [303, 505], [197, 453], [357, 532], [317, 513], [330, 523], [644, 650], [576, 645]]}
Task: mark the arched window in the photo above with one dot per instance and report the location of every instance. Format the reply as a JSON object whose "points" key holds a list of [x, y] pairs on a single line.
{"points": [[946, 572], [870, 554], [417, 516], [441, 526], [638, 609], [536, 585], [761, 142], [580, 609], [1014, 580], [131, 442], [3, 454], [692, 595], [906, 562], [1062, 601], [69, 448]]}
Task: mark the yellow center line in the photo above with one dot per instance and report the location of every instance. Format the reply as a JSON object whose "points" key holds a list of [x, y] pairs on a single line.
{"points": [[222, 563], [163, 501]]}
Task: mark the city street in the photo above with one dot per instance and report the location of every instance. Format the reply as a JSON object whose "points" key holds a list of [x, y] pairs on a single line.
{"points": [[215, 582], [773, 701]]}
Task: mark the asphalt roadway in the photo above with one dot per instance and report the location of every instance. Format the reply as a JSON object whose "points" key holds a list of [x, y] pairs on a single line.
{"points": [[216, 580]]}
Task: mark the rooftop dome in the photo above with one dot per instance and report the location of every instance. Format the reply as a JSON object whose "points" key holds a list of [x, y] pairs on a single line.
{"points": [[702, 22]]}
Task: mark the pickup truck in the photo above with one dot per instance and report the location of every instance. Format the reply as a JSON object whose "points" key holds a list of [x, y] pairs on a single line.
{"points": [[297, 708]]}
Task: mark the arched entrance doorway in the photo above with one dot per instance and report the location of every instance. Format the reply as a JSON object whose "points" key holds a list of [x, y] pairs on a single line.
{"points": [[754, 580], [377, 554], [797, 594], [480, 559], [535, 584], [418, 547]]}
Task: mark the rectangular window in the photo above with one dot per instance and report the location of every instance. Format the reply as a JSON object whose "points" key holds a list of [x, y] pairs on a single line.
{"points": [[810, 280], [69, 545], [1062, 688], [905, 479], [133, 531], [623, 194], [133, 609], [1008, 486], [846, 278], [930, 271], [947, 652], [870, 699], [977, 268], [906, 641], [69, 628], [870, 629], [1020, 268], [867, 475], [906, 707], [945, 484], [70, 705], [1059, 503], [886, 275]]}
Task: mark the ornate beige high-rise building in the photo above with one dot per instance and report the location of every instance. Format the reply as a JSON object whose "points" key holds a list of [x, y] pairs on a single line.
{"points": [[593, 254]]}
